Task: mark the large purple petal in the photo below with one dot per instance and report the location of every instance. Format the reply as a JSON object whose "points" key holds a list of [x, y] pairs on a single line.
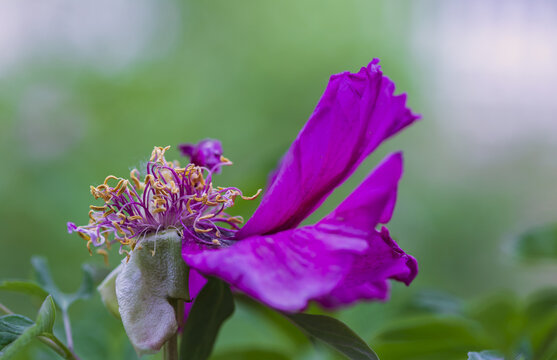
{"points": [[355, 114], [283, 270], [196, 282], [367, 279], [383, 260], [288, 269]]}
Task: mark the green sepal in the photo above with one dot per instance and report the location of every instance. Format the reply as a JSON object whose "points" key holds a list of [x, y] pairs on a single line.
{"points": [[212, 306]]}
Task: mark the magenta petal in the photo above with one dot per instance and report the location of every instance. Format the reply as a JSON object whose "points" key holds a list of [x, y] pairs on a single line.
{"points": [[288, 269], [284, 270], [196, 282], [372, 202], [355, 114], [367, 279]]}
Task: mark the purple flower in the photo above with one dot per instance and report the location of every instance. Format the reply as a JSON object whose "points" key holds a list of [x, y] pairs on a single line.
{"points": [[167, 197], [343, 258], [207, 153]]}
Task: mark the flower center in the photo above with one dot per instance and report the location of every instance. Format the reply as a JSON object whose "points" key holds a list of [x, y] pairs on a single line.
{"points": [[168, 196]]}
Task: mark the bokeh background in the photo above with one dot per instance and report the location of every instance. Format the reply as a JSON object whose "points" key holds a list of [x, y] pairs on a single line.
{"points": [[87, 88]]}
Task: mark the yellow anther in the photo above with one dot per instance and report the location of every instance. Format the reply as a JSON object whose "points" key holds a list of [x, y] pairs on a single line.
{"points": [[201, 230], [131, 231], [109, 177], [215, 242], [98, 208], [123, 188], [148, 179], [154, 154], [135, 217], [89, 247], [159, 201], [220, 200], [236, 219], [210, 203], [91, 216], [122, 216], [108, 212], [188, 203], [173, 188], [252, 197], [205, 217], [225, 160], [104, 254], [158, 210], [135, 178], [117, 226], [84, 236]]}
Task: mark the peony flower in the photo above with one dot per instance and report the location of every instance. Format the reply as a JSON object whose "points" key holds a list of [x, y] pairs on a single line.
{"points": [[342, 258], [167, 213]]}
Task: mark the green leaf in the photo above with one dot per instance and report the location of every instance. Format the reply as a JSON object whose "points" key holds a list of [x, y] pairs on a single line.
{"points": [[541, 304], [437, 302], [430, 337], [538, 243], [250, 355], [334, 333], [211, 308], [24, 287], [63, 300], [502, 317], [25, 330], [484, 355], [11, 327], [46, 316]]}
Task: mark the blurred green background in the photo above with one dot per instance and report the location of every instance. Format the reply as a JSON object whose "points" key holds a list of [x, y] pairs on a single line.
{"points": [[88, 88]]}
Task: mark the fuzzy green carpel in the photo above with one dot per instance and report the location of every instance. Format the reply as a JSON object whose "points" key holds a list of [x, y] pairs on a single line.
{"points": [[154, 275]]}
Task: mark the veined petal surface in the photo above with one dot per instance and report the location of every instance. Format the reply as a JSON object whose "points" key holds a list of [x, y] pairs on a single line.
{"points": [[356, 114]]}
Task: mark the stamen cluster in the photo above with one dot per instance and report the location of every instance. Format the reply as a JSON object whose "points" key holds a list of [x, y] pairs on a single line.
{"points": [[168, 196]]}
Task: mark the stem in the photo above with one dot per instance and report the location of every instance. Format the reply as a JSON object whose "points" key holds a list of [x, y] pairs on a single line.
{"points": [[68, 329], [5, 309], [170, 350], [52, 341]]}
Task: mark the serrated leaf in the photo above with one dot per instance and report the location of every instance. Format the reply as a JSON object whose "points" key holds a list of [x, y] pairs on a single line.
{"points": [[484, 355], [213, 305], [334, 333], [30, 330], [62, 299], [24, 287], [538, 243]]}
